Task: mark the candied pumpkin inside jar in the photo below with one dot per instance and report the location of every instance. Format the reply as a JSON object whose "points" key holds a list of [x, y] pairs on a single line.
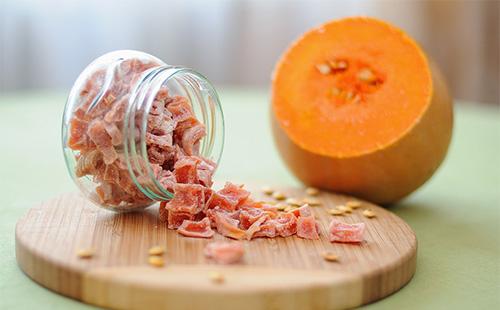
{"points": [[134, 127]]}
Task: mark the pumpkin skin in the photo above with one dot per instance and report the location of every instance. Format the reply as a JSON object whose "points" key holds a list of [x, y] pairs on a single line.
{"points": [[383, 174]]}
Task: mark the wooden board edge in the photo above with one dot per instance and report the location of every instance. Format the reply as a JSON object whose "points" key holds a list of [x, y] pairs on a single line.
{"points": [[288, 289], [378, 285]]}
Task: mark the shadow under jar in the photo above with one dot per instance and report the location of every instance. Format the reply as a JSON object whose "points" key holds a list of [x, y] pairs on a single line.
{"points": [[129, 117]]}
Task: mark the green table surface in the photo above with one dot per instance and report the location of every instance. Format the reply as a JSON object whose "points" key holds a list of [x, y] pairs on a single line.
{"points": [[456, 215]]}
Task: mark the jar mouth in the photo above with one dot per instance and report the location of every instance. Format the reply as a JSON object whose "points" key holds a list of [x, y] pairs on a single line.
{"points": [[206, 107]]}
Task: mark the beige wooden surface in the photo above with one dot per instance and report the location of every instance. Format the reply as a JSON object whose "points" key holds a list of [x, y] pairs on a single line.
{"points": [[280, 273]]}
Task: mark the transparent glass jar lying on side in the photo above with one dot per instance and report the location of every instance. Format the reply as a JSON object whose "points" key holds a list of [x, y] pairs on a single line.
{"points": [[125, 122]]}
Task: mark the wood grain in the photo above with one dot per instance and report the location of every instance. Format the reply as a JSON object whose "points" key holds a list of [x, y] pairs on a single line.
{"points": [[280, 273]]}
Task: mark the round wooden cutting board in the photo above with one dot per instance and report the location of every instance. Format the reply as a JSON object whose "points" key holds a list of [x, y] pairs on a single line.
{"points": [[281, 273]]}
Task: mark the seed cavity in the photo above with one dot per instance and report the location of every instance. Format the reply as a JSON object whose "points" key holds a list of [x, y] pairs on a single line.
{"points": [[353, 81]]}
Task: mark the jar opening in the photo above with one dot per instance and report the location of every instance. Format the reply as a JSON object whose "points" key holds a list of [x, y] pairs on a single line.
{"points": [[206, 107]]}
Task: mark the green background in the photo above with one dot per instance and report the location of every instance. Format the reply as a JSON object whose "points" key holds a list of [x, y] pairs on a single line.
{"points": [[456, 215]]}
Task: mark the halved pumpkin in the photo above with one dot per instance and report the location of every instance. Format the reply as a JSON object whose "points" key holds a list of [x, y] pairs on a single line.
{"points": [[358, 108]]}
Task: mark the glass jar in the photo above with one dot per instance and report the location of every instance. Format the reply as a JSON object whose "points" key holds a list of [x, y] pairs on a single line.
{"points": [[118, 92]]}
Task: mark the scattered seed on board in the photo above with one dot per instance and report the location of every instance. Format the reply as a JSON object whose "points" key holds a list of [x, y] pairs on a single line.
{"points": [[157, 250], [335, 212], [353, 204], [311, 191], [293, 201], [369, 213], [272, 203], [267, 190], [324, 68], [344, 208], [330, 257], [311, 201], [85, 253], [216, 277], [156, 261], [281, 206], [279, 196]]}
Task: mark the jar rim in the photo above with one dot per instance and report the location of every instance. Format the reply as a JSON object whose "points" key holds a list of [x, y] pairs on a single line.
{"points": [[212, 117]]}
